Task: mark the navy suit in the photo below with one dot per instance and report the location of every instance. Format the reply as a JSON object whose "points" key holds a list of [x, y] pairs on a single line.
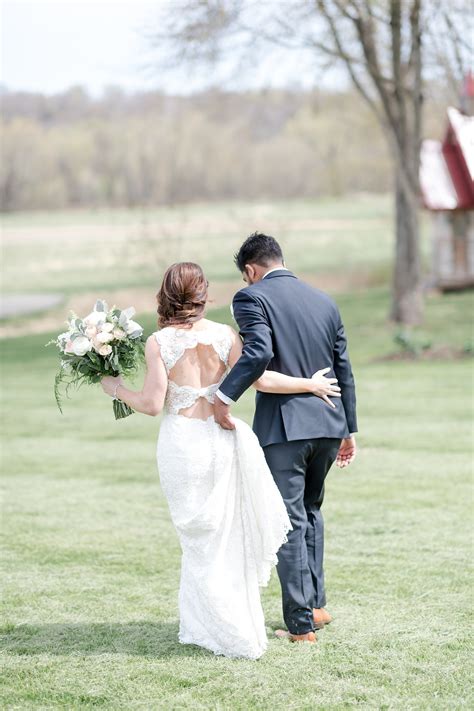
{"points": [[295, 329]]}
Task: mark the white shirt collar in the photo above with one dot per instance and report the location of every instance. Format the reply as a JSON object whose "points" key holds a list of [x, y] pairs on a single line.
{"points": [[275, 269]]}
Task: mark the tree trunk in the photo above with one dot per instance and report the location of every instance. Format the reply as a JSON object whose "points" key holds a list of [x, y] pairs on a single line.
{"points": [[407, 298]]}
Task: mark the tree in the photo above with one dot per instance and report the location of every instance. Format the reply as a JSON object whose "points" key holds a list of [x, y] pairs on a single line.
{"points": [[380, 44]]}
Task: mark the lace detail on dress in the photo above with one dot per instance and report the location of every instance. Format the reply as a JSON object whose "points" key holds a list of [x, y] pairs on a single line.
{"points": [[231, 521], [173, 344], [180, 397], [174, 341]]}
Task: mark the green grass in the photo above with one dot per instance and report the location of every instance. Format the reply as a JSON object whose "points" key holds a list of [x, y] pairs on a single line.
{"points": [[91, 561], [79, 251]]}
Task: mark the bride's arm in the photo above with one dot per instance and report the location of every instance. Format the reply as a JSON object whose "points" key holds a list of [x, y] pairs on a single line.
{"points": [[273, 382], [150, 399], [319, 385]]}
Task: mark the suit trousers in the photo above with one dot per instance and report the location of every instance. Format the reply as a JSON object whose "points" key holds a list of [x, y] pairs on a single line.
{"points": [[299, 469]]}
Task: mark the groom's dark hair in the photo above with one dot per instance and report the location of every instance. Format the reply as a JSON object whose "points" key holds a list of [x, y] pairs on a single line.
{"points": [[258, 249]]}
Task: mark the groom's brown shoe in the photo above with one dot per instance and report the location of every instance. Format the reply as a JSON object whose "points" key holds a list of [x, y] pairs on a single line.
{"points": [[321, 617], [308, 637]]}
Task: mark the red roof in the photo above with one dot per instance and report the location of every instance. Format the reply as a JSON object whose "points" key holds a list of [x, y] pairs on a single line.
{"points": [[468, 86], [447, 168]]}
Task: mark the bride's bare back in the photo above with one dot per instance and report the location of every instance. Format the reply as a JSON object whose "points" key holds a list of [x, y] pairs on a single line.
{"points": [[196, 361]]}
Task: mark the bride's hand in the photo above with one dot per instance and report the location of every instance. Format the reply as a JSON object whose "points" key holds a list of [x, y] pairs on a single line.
{"points": [[324, 387], [109, 382]]}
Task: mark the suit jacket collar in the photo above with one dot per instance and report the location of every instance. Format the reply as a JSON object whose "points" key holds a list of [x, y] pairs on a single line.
{"points": [[279, 273]]}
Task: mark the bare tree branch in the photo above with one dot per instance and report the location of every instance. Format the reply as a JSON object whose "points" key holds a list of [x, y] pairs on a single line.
{"points": [[387, 47], [349, 65]]}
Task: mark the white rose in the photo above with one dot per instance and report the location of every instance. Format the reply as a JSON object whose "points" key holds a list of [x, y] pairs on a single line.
{"points": [[81, 345], [118, 333], [107, 326], [105, 349], [104, 337], [133, 327], [91, 331], [94, 318]]}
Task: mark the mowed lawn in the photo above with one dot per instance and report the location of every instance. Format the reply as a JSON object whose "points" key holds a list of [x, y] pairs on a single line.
{"points": [[74, 252], [91, 561]]}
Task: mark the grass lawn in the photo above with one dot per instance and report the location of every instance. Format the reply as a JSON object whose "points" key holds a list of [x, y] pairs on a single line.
{"points": [[81, 251], [91, 561]]}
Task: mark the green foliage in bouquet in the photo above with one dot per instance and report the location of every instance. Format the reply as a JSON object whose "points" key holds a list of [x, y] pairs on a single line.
{"points": [[106, 342]]}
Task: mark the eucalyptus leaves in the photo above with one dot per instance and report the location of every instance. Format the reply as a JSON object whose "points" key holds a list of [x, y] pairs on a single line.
{"points": [[106, 342]]}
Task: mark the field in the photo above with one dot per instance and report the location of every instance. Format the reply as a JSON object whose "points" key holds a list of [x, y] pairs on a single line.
{"points": [[338, 244], [91, 561]]}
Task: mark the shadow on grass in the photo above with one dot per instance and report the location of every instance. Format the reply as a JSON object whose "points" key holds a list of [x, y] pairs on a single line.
{"points": [[141, 638]]}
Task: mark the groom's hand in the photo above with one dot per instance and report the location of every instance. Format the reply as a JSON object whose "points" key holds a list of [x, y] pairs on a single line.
{"points": [[347, 452], [222, 414]]}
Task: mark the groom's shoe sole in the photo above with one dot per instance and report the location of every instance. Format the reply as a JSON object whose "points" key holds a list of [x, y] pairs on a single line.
{"points": [[308, 637]]}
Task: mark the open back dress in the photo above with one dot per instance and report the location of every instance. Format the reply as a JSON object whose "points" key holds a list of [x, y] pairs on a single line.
{"points": [[227, 510]]}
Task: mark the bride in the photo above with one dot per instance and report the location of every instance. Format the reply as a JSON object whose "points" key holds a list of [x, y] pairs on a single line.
{"points": [[228, 513]]}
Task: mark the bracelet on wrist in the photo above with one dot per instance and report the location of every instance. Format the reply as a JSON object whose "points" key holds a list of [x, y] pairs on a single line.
{"points": [[115, 392]]}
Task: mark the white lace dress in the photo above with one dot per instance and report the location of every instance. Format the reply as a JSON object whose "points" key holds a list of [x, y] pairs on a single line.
{"points": [[227, 510]]}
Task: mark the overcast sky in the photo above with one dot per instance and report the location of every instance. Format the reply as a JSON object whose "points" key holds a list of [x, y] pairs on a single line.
{"points": [[50, 45]]}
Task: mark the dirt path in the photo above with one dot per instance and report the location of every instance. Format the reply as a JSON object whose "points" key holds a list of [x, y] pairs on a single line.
{"points": [[55, 311], [17, 305]]}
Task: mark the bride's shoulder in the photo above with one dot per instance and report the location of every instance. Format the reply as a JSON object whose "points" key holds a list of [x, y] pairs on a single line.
{"points": [[152, 345], [221, 328], [161, 335]]}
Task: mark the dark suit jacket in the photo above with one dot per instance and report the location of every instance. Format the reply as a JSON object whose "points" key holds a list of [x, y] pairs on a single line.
{"points": [[295, 329]]}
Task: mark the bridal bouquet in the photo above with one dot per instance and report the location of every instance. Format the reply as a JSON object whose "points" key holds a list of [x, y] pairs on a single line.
{"points": [[106, 342]]}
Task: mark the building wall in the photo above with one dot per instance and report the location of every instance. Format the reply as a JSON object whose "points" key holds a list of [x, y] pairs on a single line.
{"points": [[453, 249]]}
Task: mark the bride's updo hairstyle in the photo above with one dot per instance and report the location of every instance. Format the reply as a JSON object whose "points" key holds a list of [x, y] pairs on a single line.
{"points": [[183, 295]]}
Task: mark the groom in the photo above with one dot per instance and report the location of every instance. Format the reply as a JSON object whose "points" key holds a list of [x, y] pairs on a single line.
{"points": [[290, 327]]}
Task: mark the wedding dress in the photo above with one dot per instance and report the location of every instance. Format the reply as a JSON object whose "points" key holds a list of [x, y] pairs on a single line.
{"points": [[227, 510]]}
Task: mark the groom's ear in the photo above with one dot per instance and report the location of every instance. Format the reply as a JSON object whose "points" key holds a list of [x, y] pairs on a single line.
{"points": [[245, 274], [250, 273]]}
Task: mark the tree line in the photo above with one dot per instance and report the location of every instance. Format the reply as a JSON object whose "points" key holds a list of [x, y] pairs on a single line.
{"points": [[75, 150]]}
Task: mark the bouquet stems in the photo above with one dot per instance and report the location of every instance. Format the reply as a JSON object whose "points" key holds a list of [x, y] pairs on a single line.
{"points": [[121, 409]]}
